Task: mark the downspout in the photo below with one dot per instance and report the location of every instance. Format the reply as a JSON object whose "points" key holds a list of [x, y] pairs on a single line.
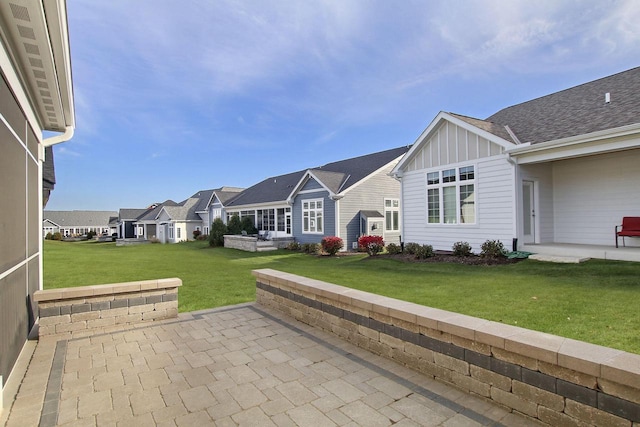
{"points": [[64, 137], [516, 211]]}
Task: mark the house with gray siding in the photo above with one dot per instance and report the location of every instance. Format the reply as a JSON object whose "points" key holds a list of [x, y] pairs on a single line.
{"points": [[36, 96], [328, 201], [77, 222], [217, 207], [562, 168]]}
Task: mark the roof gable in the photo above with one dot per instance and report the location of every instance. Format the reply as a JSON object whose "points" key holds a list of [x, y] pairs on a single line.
{"points": [[78, 218], [451, 138]]}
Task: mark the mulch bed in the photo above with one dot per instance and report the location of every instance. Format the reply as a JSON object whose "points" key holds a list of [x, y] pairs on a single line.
{"points": [[447, 257]]}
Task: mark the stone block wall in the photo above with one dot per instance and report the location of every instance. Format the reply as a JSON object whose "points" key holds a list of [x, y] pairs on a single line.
{"points": [[85, 310], [244, 243], [555, 380]]}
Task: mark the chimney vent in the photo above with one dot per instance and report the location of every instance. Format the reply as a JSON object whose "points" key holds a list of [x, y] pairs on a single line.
{"points": [[607, 98]]}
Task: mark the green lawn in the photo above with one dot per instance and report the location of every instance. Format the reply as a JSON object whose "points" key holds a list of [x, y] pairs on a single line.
{"points": [[596, 301]]}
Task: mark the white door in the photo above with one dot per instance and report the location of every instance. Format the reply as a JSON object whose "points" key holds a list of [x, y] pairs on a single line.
{"points": [[528, 212]]}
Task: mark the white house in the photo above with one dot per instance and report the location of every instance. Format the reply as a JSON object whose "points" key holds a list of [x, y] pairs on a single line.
{"points": [[560, 169]]}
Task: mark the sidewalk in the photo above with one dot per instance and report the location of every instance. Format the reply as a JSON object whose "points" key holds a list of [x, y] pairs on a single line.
{"points": [[240, 365]]}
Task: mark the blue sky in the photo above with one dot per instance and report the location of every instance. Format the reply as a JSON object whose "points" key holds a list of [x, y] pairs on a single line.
{"points": [[173, 97]]}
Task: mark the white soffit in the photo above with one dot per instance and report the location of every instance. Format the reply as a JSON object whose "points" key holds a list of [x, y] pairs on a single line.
{"points": [[41, 57]]}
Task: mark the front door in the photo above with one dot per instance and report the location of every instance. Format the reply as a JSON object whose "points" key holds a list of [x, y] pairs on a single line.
{"points": [[528, 212]]}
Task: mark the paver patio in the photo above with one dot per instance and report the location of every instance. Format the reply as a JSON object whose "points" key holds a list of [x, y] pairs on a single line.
{"points": [[238, 365]]}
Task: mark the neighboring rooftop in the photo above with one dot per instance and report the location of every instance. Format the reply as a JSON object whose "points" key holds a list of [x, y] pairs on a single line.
{"points": [[79, 218], [337, 176], [575, 111]]}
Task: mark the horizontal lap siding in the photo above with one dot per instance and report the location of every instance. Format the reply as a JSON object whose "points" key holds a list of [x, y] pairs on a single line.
{"points": [[495, 211], [328, 213], [369, 195], [592, 194]]}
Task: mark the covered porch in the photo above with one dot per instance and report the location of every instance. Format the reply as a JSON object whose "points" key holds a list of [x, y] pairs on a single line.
{"points": [[571, 250]]}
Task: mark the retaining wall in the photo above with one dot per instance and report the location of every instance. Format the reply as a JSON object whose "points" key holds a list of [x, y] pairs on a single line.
{"points": [[558, 381], [91, 309]]}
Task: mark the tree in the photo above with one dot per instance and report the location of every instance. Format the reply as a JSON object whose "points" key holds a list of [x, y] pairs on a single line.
{"points": [[247, 225], [218, 230], [234, 226]]}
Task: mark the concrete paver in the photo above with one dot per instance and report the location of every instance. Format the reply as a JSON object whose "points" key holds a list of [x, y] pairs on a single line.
{"points": [[241, 365]]}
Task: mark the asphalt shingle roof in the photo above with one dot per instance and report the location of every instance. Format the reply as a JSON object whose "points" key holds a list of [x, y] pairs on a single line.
{"points": [[338, 176], [129, 213], [576, 111], [79, 218]]}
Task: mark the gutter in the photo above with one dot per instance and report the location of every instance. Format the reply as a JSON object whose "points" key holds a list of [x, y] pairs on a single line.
{"points": [[66, 136]]}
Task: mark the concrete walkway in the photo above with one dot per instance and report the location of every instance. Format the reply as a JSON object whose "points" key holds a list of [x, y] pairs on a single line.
{"points": [[240, 365]]}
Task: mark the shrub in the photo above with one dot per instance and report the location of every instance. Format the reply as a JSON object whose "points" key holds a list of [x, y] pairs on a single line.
{"points": [[49, 236], [492, 249], [310, 248], [154, 240], [196, 234], [234, 225], [91, 234], [203, 237], [246, 225], [373, 245], [218, 230], [332, 244], [424, 252], [57, 236], [411, 248], [393, 249], [461, 249], [294, 246]]}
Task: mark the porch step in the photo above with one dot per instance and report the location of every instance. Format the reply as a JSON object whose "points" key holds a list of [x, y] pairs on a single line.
{"points": [[558, 258], [266, 248]]}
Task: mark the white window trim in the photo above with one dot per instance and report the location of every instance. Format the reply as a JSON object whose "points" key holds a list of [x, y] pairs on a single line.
{"points": [[391, 209], [316, 210], [457, 184]]}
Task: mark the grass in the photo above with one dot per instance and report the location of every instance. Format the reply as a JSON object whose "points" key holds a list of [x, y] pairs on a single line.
{"points": [[595, 301]]}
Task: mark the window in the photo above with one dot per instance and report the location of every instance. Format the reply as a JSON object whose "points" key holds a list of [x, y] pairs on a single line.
{"points": [[312, 215], [206, 230], [266, 219], [451, 196], [171, 231], [178, 232], [284, 220], [391, 214]]}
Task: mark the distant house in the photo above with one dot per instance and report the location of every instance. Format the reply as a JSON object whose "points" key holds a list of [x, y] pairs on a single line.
{"points": [[347, 198], [74, 223], [127, 218], [36, 96], [562, 168], [146, 226], [177, 222], [218, 204]]}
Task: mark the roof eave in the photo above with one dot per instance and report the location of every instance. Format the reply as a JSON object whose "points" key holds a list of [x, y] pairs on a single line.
{"points": [[609, 140]]}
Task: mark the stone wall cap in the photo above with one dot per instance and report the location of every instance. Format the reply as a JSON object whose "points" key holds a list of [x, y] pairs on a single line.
{"points": [[107, 289]]}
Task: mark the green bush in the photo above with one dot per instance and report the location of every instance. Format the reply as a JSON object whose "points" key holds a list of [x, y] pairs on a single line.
{"points": [[57, 236], [393, 249], [294, 246], [246, 225], [218, 230], [492, 249], [411, 248], [424, 252], [461, 249], [49, 236], [331, 244], [196, 234], [91, 234], [234, 225], [310, 248]]}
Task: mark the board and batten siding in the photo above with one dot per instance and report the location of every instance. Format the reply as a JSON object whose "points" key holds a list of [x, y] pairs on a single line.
{"points": [[449, 146], [328, 212], [592, 194]]}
